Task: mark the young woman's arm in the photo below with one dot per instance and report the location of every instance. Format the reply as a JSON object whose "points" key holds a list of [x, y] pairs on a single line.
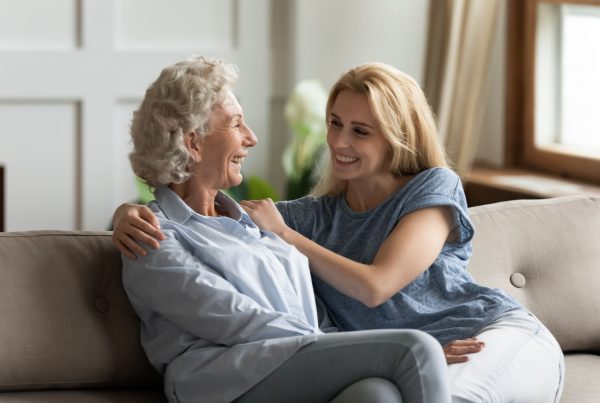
{"points": [[409, 250], [133, 222], [137, 223]]}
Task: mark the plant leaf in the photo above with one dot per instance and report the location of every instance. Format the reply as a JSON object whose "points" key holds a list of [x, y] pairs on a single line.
{"points": [[261, 189], [145, 194]]}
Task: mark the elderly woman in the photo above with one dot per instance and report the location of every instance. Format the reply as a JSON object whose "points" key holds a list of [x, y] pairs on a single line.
{"points": [[227, 310]]}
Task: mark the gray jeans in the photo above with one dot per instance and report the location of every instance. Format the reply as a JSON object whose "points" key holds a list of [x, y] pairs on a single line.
{"points": [[369, 366]]}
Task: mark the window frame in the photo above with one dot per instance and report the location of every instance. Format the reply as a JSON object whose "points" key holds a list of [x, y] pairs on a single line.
{"points": [[520, 148]]}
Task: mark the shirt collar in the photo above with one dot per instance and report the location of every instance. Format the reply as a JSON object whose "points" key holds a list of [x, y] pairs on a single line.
{"points": [[177, 210]]}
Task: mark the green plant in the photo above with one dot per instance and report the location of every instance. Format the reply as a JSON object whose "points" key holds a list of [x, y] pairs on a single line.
{"points": [[145, 195], [253, 188]]}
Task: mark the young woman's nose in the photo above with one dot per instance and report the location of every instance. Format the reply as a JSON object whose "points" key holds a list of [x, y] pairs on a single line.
{"points": [[338, 138]]}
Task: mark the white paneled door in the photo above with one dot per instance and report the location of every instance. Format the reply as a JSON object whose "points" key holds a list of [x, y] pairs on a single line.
{"points": [[72, 72]]}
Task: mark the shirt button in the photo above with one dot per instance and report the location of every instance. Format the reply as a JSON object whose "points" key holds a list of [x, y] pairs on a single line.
{"points": [[101, 304], [518, 280]]}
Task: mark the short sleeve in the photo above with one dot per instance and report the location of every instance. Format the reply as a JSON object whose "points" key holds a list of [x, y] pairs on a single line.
{"points": [[300, 214], [442, 187], [282, 206]]}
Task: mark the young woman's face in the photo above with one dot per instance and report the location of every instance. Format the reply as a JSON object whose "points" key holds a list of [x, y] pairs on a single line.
{"points": [[224, 149], [357, 148]]}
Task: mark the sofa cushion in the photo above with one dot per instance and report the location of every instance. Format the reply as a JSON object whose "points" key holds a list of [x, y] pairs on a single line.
{"points": [[85, 396], [66, 321], [546, 253], [582, 382]]}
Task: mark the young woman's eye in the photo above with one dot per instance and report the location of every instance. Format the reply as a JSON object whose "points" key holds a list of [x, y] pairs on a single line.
{"points": [[360, 131], [335, 123]]}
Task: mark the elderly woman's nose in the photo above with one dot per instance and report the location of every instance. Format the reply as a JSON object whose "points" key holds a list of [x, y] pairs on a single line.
{"points": [[250, 138]]}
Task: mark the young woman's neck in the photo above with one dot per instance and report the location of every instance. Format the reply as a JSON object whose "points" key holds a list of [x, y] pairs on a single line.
{"points": [[365, 195]]}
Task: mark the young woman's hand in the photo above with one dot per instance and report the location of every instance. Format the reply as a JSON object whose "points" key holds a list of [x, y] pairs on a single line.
{"points": [[265, 215], [133, 223], [457, 351]]}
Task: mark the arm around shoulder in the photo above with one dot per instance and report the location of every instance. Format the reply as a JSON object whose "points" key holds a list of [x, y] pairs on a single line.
{"points": [[172, 282], [133, 223]]}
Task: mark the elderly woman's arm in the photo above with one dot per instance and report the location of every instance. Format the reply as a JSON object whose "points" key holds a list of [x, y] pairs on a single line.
{"points": [[175, 284]]}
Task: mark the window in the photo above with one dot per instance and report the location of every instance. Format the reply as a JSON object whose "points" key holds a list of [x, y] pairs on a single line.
{"points": [[553, 87]]}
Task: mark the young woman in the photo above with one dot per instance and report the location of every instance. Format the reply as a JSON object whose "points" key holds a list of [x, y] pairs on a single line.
{"points": [[388, 237]]}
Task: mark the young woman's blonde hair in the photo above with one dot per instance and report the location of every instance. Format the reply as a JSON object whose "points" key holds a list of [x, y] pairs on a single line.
{"points": [[181, 99], [404, 118]]}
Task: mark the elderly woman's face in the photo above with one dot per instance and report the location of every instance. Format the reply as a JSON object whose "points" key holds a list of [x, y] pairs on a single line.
{"points": [[224, 149]]}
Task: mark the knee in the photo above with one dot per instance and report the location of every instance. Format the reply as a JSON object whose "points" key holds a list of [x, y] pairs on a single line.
{"points": [[411, 337], [372, 390], [425, 339], [426, 346], [415, 345]]}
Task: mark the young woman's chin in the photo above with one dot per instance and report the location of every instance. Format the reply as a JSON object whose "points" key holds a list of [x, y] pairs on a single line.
{"points": [[345, 171]]}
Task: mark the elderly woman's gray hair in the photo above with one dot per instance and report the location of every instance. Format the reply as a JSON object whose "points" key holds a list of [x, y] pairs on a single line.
{"points": [[179, 101]]}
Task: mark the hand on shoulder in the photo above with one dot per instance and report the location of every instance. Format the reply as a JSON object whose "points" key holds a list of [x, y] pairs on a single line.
{"points": [[134, 223]]}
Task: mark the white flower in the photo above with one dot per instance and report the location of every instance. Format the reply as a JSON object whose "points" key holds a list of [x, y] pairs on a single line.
{"points": [[305, 113], [306, 105]]}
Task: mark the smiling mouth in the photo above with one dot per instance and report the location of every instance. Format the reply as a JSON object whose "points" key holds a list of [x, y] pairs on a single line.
{"points": [[238, 160], [344, 159]]}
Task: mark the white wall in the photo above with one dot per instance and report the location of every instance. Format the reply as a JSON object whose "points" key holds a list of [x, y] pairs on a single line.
{"points": [[322, 39], [328, 37], [335, 35], [72, 72]]}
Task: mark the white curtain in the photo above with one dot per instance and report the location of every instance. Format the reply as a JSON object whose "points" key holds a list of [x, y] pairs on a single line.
{"points": [[457, 71]]}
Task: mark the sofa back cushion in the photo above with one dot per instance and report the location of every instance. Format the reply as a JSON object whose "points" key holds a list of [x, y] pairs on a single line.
{"points": [[546, 253], [66, 321]]}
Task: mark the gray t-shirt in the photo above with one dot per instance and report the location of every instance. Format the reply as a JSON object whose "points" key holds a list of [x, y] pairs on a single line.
{"points": [[444, 300]]}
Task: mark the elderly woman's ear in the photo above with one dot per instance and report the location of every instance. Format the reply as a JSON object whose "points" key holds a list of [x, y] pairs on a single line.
{"points": [[192, 143]]}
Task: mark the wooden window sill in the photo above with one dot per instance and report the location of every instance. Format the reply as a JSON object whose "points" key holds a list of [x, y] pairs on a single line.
{"points": [[491, 185]]}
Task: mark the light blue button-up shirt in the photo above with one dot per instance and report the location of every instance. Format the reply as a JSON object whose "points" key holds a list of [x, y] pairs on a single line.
{"points": [[222, 304]]}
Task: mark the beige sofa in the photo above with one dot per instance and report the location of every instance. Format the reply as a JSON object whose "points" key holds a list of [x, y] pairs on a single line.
{"points": [[68, 334]]}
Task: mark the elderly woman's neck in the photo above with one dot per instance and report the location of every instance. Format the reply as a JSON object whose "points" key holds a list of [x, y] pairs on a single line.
{"points": [[199, 198]]}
